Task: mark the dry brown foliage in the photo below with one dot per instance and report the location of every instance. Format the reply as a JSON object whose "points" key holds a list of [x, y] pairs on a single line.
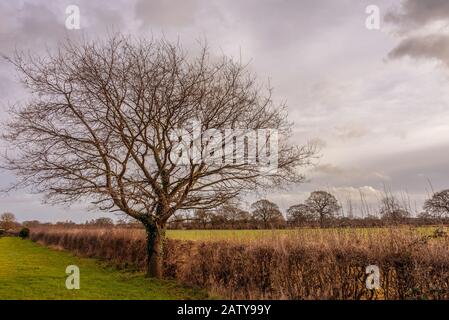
{"points": [[325, 265]]}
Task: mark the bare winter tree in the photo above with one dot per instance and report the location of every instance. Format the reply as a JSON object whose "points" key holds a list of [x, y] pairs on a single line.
{"points": [[438, 205], [100, 128], [102, 222], [7, 220], [202, 218], [300, 215], [235, 217], [324, 205], [267, 213], [391, 210]]}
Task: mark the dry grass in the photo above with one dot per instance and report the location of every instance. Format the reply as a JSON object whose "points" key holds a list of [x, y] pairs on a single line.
{"points": [[327, 264]]}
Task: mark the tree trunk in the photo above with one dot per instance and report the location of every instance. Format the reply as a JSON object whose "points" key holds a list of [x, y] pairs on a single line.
{"points": [[155, 241]]}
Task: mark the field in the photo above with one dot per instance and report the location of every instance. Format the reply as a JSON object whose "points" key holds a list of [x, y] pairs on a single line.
{"points": [[30, 271], [254, 235], [280, 264]]}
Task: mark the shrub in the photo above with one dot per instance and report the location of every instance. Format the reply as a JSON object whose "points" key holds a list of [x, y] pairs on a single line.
{"points": [[24, 233], [320, 264]]}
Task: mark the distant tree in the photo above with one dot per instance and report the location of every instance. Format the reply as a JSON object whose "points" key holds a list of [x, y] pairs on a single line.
{"points": [[267, 213], [391, 210], [300, 214], [202, 218], [438, 205], [67, 223], [425, 217], [234, 216], [126, 222], [239, 218], [218, 220], [104, 222], [121, 222], [31, 223], [180, 220], [8, 220], [324, 205]]}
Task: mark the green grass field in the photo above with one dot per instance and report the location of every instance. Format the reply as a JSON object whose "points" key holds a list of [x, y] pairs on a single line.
{"points": [[242, 235], [214, 235], [30, 271]]}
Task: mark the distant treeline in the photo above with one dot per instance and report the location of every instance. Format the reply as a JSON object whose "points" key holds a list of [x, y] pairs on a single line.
{"points": [[216, 222], [320, 209]]}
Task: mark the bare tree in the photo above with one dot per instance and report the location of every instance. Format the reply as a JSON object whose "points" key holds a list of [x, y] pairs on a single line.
{"points": [[267, 213], [100, 128], [235, 217], [7, 220], [103, 222], [202, 217], [324, 205], [31, 223], [391, 210], [300, 215], [438, 205]]}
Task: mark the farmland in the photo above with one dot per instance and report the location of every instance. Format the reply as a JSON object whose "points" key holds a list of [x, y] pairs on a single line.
{"points": [[279, 264], [246, 236], [252, 235]]}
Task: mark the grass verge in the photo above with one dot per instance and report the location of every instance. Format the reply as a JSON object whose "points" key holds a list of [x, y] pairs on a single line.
{"points": [[30, 271]]}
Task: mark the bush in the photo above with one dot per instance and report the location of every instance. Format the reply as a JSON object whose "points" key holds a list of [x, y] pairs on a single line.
{"points": [[24, 233], [308, 264]]}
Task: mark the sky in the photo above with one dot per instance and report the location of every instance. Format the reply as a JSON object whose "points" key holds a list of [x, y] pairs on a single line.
{"points": [[374, 100]]}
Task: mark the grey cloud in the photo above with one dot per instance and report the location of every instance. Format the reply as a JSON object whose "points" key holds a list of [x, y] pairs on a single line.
{"points": [[328, 168], [418, 13], [423, 47], [333, 175], [350, 131], [102, 15], [28, 25], [167, 13], [279, 25], [411, 169], [34, 24], [413, 17], [318, 143]]}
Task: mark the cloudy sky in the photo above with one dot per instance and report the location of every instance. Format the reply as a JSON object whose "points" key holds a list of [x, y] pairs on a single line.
{"points": [[376, 101]]}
